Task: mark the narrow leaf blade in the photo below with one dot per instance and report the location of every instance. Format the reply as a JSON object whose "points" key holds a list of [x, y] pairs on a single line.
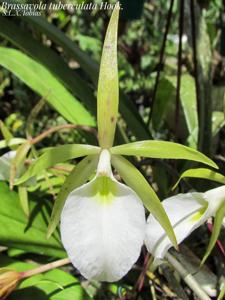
{"points": [[138, 183], [22, 191], [57, 155], [78, 176], [162, 149], [18, 161], [108, 90], [20, 234], [203, 174], [11, 142], [215, 233], [39, 79]]}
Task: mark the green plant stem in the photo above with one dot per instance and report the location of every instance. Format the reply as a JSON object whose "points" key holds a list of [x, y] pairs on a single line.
{"points": [[187, 277], [45, 268]]}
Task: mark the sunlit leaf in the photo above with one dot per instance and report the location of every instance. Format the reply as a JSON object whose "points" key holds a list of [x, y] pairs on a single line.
{"points": [[134, 179], [18, 162], [79, 175], [53, 62], [71, 48], [55, 284], [17, 232], [162, 149], [22, 191], [38, 78], [201, 173], [216, 231], [189, 105], [108, 90], [12, 142], [218, 121], [57, 155]]}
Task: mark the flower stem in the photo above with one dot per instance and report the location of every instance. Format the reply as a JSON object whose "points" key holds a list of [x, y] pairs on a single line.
{"points": [[45, 268], [187, 277]]}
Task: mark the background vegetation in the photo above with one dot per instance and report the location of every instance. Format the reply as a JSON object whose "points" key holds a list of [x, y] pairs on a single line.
{"points": [[172, 82]]}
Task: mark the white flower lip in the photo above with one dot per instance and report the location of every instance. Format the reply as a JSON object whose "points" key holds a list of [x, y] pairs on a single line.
{"points": [[103, 226], [186, 213]]}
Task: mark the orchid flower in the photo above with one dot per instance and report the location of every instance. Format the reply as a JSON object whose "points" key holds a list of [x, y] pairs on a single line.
{"points": [[103, 221], [186, 213], [103, 225]]}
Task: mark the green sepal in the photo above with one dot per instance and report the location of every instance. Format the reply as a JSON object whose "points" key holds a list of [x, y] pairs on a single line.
{"points": [[134, 179], [23, 196], [216, 231], [78, 176], [162, 149], [201, 173], [108, 86], [57, 155], [11, 142]]}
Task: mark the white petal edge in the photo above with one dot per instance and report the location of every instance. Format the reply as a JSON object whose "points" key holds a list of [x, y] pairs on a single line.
{"points": [[103, 239], [180, 210], [5, 161], [186, 213]]}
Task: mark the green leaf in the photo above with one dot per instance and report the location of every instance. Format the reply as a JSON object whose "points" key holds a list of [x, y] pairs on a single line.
{"points": [[12, 142], [218, 121], [189, 105], [78, 176], [53, 285], [5, 132], [162, 149], [201, 173], [86, 62], [39, 79], [216, 231], [70, 79], [163, 102], [17, 232], [222, 292], [57, 155], [139, 184], [108, 89], [48, 58], [18, 162], [127, 108], [22, 191]]}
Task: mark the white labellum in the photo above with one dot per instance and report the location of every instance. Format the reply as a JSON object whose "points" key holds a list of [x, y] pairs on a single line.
{"points": [[103, 225]]}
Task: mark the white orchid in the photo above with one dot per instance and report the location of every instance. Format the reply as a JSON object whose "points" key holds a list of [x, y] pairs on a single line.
{"points": [[103, 225], [186, 213], [103, 221]]}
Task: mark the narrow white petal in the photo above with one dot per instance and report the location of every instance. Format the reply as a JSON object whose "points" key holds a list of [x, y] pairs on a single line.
{"points": [[103, 232], [5, 160], [185, 212]]}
